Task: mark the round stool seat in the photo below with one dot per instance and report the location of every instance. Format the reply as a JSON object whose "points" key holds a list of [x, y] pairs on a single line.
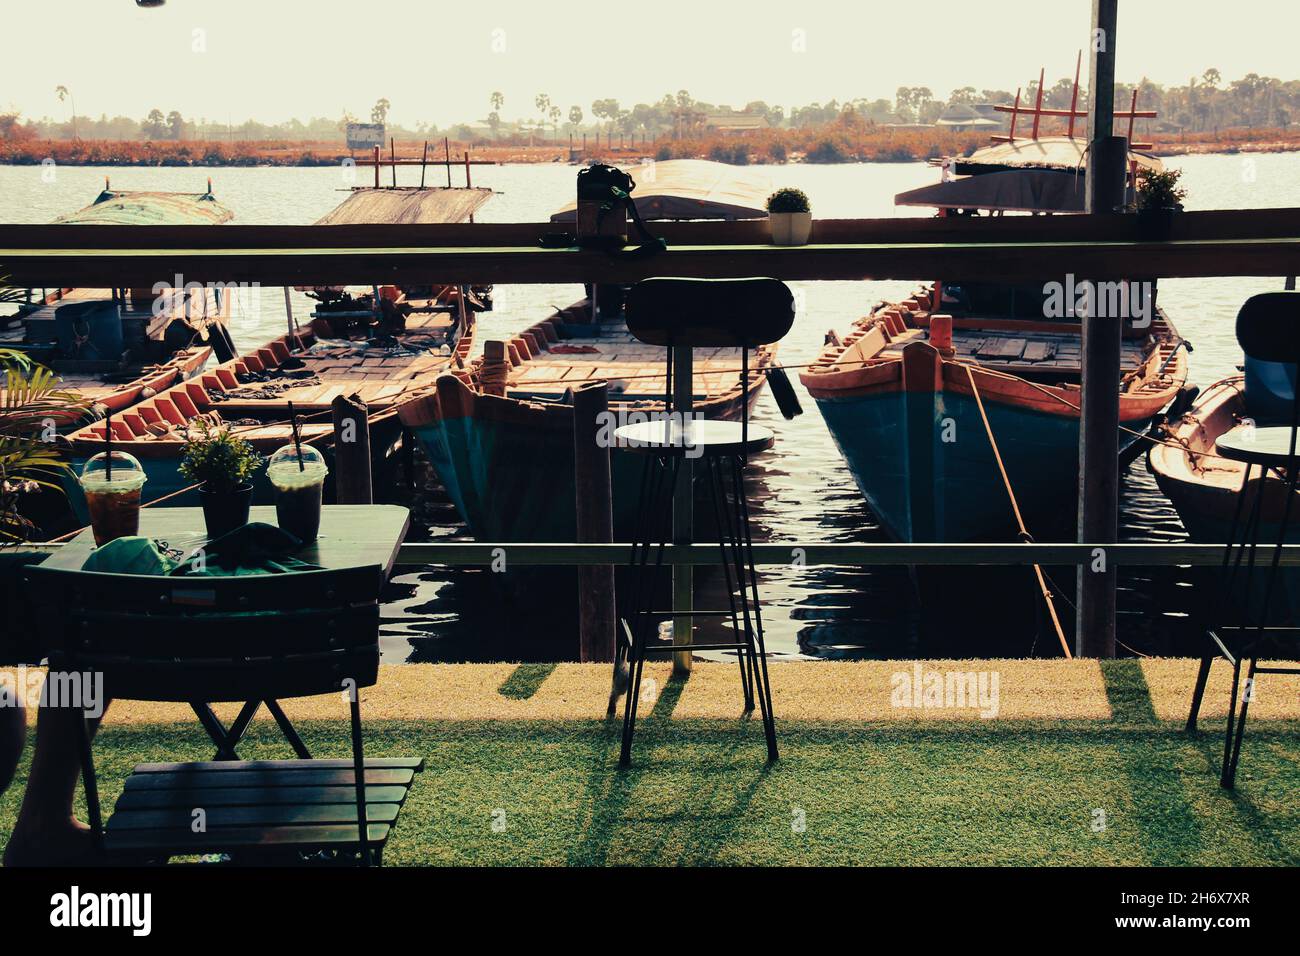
{"points": [[699, 437], [1268, 446]]}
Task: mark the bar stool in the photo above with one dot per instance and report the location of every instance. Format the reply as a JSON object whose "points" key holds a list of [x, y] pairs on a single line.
{"points": [[683, 314], [1268, 329]]}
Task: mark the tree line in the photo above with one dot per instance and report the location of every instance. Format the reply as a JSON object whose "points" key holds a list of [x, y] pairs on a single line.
{"points": [[1205, 103]]}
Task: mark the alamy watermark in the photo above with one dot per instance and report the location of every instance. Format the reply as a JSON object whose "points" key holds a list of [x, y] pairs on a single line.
{"points": [[32, 688], [1121, 299], [920, 688]]}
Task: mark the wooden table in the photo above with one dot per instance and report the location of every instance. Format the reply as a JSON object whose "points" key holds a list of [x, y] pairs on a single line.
{"points": [[351, 536]]}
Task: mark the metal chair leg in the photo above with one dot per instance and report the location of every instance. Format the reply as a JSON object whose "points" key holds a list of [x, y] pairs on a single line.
{"points": [[359, 773], [90, 783], [1201, 677]]}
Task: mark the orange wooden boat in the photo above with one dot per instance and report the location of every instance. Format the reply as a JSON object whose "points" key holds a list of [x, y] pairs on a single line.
{"points": [[929, 399]]}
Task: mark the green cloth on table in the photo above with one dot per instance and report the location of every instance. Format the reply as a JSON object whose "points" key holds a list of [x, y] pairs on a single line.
{"points": [[255, 548]]}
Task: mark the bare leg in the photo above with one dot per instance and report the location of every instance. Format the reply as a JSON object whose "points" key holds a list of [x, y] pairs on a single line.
{"points": [[13, 737], [47, 833]]}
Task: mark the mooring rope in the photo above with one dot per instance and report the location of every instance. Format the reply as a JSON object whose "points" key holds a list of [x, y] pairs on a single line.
{"points": [[1020, 521]]}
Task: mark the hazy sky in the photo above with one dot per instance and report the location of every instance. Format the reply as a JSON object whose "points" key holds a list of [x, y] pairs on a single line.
{"points": [[439, 61]]}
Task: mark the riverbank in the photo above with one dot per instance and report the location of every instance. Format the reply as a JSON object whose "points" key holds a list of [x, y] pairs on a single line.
{"points": [[1085, 764], [831, 144]]}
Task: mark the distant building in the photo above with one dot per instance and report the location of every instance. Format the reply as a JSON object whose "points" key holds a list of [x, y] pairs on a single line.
{"points": [[961, 117], [735, 122]]}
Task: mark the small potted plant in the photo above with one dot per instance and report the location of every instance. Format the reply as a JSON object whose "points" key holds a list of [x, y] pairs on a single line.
{"points": [[223, 463], [1159, 199], [791, 216]]}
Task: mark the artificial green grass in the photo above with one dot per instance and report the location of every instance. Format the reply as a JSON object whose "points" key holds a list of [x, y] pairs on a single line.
{"points": [[700, 792]]}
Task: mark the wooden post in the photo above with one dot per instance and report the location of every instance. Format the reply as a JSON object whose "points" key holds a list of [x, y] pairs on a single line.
{"points": [[376, 166], [595, 511], [392, 156], [683, 509], [351, 452], [424, 158], [446, 156], [1099, 417]]}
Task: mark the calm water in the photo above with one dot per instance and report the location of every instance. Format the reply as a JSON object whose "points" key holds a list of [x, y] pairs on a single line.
{"points": [[804, 491]]}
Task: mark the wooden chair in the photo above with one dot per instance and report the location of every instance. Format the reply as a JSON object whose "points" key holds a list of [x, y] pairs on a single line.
{"points": [[1247, 628], [252, 639]]}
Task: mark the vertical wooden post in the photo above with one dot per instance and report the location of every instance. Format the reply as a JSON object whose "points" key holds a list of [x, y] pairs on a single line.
{"points": [[595, 511], [1099, 418], [376, 166], [351, 452], [683, 509]]}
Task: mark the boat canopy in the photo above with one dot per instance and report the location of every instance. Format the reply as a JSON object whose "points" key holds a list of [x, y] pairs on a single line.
{"points": [[116, 207], [693, 189], [1014, 190], [414, 204], [1048, 152]]}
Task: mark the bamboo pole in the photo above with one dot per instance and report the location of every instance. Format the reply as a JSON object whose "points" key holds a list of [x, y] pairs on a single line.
{"points": [[683, 510]]}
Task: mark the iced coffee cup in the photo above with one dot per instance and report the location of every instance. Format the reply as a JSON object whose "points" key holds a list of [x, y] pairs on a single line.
{"points": [[299, 483], [111, 482]]}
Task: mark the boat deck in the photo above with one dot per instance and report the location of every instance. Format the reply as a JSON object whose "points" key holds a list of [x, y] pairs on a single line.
{"points": [[634, 370], [331, 368]]}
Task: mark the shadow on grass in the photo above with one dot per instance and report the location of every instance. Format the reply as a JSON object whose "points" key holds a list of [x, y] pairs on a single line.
{"points": [[525, 680], [612, 791]]}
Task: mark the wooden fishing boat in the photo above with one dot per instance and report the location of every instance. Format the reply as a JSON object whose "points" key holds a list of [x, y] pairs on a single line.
{"points": [[376, 355], [251, 395], [116, 346], [932, 398], [499, 433], [1206, 489]]}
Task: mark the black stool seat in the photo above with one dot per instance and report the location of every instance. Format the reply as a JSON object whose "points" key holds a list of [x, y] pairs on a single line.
{"points": [[699, 437], [1269, 446]]}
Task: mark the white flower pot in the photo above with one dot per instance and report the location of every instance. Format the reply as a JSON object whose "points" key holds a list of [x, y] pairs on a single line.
{"points": [[790, 228]]}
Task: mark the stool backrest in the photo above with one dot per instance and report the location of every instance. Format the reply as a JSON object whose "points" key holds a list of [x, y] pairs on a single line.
{"points": [[1268, 327], [710, 313], [212, 638]]}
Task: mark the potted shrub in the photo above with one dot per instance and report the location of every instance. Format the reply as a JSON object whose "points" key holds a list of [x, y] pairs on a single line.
{"points": [[791, 216], [1159, 199], [223, 463]]}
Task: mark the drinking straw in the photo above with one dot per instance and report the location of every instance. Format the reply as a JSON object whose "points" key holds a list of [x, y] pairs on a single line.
{"points": [[108, 447], [297, 443]]}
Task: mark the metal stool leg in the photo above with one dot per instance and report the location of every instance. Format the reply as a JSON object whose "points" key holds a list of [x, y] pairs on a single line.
{"points": [[642, 618], [1225, 777], [1201, 677], [728, 551], [1229, 778], [764, 684]]}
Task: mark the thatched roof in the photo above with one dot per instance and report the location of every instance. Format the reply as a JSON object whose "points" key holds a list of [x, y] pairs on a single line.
{"points": [[412, 204], [693, 189], [1052, 152], [115, 207]]}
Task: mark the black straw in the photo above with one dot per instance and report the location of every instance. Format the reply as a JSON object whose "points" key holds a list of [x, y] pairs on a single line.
{"points": [[297, 442], [108, 447]]}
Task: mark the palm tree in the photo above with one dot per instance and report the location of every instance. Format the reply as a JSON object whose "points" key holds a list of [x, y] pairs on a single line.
{"points": [[498, 101], [61, 92], [29, 401]]}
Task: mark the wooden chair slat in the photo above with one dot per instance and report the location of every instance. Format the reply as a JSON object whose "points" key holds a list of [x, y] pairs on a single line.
{"points": [[177, 842], [408, 763], [142, 799], [256, 778], [252, 816]]}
